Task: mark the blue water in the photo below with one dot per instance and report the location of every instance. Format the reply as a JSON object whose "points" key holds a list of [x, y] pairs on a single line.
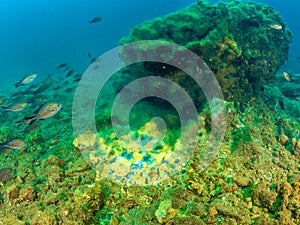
{"points": [[37, 35]]}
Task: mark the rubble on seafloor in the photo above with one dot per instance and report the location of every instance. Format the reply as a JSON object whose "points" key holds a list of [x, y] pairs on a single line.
{"points": [[254, 179]]}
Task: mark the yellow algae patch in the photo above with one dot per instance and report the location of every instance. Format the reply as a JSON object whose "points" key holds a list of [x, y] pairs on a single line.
{"points": [[93, 158], [138, 158], [85, 141], [121, 166]]}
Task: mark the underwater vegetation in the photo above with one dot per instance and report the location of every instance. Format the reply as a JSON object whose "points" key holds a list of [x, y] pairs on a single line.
{"points": [[254, 179], [235, 39]]}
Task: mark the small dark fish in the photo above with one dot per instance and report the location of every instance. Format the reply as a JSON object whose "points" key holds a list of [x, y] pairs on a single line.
{"points": [[21, 94], [291, 95], [37, 98], [70, 72], [69, 90], [26, 80], [18, 93], [96, 19], [89, 55], [298, 57], [42, 88], [281, 104], [21, 122], [78, 75], [28, 92], [33, 86], [62, 65], [77, 79], [268, 99], [93, 60], [31, 128]]}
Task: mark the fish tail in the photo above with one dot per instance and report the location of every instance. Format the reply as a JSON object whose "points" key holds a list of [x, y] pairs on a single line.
{"points": [[32, 121], [17, 85], [19, 123], [29, 117], [4, 109], [23, 132]]}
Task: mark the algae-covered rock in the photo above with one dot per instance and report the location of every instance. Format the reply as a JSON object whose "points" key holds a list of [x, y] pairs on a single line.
{"points": [[43, 218], [82, 207], [27, 194], [242, 181], [236, 40], [165, 212], [11, 219], [25, 171], [228, 209], [90, 197], [5, 174], [13, 192], [264, 220], [189, 221]]}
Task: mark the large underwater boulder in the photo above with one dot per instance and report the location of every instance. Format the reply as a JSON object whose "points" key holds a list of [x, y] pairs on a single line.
{"points": [[243, 43]]}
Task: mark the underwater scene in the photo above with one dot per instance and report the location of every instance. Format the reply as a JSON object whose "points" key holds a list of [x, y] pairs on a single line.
{"points": [[150, 112]]}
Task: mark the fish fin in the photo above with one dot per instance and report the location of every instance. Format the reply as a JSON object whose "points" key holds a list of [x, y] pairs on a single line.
{"points": [[3, 146], [23, 132], [32, 121], [268, 98], [36, 111], [32, 117], [4, 109], [18, 84], [19, 123]]}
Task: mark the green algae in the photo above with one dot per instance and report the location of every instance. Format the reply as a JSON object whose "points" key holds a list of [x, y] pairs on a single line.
{"points": [[60, 188], [221, 44], [240, 137]]}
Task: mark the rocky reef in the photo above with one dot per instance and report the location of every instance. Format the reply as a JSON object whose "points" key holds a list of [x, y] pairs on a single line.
{"points": [[253, 180], [243, 43]]}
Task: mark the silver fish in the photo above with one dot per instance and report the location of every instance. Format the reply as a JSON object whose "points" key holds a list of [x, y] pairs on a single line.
{"points": [[26, 80]]}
